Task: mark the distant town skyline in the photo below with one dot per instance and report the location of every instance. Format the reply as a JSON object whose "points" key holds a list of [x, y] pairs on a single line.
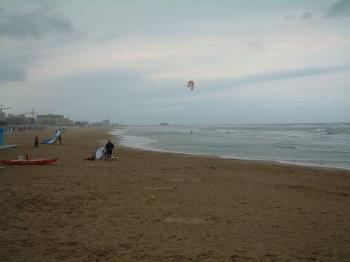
{"points": [[251, 61]]}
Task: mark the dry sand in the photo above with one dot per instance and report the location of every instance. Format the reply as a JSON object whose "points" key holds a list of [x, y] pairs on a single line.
{"points": [[167, 207]]}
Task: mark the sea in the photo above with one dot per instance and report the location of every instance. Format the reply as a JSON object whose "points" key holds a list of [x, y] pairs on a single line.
{"points": [[311, 144]]}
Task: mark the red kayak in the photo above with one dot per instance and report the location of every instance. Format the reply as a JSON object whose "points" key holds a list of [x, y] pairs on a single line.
{"points": [[28, 162]]}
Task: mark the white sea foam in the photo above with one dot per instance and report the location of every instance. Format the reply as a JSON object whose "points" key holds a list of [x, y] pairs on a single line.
{"points": [[307, 144]]}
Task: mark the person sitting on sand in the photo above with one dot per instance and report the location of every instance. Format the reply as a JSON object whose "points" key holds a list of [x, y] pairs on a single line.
{"points": [[92, 157], [109, 149]]}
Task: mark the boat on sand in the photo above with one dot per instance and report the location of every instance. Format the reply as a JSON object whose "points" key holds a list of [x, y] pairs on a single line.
{"points": [[14, 162]]}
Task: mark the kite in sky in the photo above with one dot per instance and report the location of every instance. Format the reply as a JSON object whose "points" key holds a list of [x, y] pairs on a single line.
{"points": [[190, 84]]}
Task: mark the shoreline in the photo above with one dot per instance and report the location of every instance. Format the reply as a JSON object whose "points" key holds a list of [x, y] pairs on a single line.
{"points": [[280, 149], [306, 165], [262, 161], [151, 206]]}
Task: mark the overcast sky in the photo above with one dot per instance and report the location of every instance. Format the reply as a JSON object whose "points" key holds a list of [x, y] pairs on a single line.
{"points": [[253, 61]]}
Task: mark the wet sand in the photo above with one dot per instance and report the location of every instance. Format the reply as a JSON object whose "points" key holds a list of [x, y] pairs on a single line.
{"points": [[149, 206]]}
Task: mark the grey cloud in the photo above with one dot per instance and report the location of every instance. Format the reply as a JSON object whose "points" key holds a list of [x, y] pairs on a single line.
{"points": [[116, 87], [289, 17], [8, 73], [306, 15], [13, 68], [119, 82], [35, 24], [132, 96], [278, 75], [108, 37], [133, 85], [120, 92], [258, 45], [339, 8]]}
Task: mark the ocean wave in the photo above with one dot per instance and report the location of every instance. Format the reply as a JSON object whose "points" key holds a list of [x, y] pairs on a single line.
{"points": [[321, 150], [300, 148], [288, 143]]}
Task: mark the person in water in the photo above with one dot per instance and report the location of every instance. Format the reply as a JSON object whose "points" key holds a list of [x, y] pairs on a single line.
{"points": [[109, 149]]}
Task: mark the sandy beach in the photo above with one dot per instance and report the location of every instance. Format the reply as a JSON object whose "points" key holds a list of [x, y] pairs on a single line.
{"points": [[149, 206]]}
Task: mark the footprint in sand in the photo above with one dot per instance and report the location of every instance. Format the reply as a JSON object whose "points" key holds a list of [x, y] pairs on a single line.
{"points": [[184, 220], [160, 188], [177, 180], [191, 179]]}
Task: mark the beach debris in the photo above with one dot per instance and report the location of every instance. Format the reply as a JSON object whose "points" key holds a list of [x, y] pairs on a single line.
{"points": [[190, 85], [151, 198]]}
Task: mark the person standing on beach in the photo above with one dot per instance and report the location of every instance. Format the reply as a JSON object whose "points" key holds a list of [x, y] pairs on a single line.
{"points": [[36, 142], [60, 139], [109, 149]]}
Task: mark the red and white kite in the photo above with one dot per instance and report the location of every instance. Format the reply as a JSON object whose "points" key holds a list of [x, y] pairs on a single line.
{"points": [[190, 84]]}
